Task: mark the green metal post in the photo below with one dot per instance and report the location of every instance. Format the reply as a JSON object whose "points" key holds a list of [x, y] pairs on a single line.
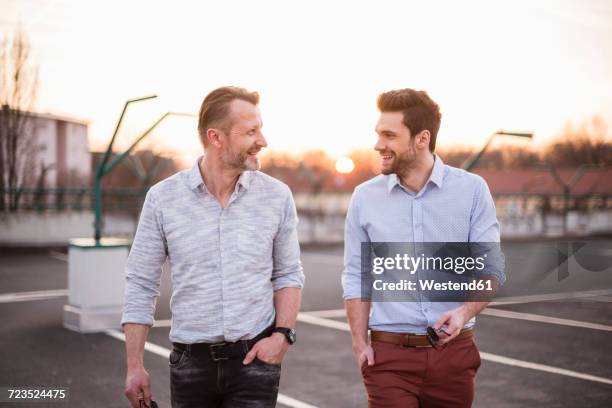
{"points": [[104, 168], [100, 171]]}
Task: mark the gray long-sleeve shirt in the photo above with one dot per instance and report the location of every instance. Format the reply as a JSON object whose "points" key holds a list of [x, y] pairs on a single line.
{"points": [[225, 263]]}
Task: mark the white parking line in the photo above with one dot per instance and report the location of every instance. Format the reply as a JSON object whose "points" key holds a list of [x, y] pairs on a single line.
{"points": [[599, 294], [489, 312], [153, 348], [550, 296], [541, 367], [607, 299], [292, 402], [162, 323], [544, 319], [320, 321], [60, 256], [165, 353], [303, 317], [34, 295]]}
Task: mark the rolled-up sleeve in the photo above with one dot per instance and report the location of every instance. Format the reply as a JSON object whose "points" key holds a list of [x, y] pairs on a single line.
{"points": [[287, 271], [484, 229], [144, 266], [354, 236]]}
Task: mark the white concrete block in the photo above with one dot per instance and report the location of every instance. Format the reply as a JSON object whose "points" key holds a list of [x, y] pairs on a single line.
{"points": [[96, 282]]}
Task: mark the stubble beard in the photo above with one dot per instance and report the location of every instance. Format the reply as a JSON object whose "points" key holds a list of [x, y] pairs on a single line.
{"points": [[240, 161], [401, 163]]}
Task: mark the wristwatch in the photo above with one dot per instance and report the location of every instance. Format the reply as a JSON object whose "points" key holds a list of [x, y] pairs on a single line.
{"points": [[287, 332]]}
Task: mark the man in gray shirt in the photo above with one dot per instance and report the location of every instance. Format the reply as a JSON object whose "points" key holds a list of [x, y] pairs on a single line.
{"points": [[229, 233]]}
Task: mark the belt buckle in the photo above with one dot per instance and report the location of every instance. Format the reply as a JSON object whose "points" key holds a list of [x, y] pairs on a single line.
{"points": [[213, 353]]}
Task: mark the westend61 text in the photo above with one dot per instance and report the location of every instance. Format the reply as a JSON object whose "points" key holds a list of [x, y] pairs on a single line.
{"points": [[429, 285]]}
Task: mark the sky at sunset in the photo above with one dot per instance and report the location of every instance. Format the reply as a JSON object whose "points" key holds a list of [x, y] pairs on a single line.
{"points": [[319, 65]]}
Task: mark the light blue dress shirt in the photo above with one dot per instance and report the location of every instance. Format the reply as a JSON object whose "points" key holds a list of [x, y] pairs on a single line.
{"points": [[226, 263], [452, 206]]}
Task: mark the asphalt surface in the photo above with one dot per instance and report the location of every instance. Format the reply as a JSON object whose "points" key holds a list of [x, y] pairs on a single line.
{"points": [[545, 366]]}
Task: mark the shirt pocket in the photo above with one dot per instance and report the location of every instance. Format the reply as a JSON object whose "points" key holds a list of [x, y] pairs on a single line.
{"points": [[255, 244]]}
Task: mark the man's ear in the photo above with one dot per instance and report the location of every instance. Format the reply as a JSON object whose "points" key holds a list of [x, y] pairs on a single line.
{"points": [[213, 136], [422, 139]]}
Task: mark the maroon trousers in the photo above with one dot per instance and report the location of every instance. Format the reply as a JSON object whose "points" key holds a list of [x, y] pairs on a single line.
{"points": [[410, 377]]}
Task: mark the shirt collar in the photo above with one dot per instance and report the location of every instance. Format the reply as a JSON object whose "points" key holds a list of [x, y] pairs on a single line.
{"points": [[436, 176], [195, 177], [245, 179], [392, 182]]}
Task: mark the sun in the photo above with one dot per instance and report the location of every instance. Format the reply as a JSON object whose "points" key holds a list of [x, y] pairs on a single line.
{"points": [[344, 165]]}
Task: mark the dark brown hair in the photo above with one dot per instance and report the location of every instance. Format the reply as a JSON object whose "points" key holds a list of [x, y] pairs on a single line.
{"points": [[419, 110], [215, 108]]}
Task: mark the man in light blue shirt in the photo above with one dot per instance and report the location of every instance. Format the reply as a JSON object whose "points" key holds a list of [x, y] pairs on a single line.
{"points": [[416, 199]]}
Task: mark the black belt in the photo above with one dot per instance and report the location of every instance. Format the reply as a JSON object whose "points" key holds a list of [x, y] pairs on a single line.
{"points": [[223, 350]]}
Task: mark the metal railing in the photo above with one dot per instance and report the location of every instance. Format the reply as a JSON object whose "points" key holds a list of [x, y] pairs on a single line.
{"points": [[77, 198]]}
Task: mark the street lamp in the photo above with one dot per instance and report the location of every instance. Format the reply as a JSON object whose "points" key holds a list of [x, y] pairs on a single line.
{"points": [[101, 169], [471, 161], [105, 167]]}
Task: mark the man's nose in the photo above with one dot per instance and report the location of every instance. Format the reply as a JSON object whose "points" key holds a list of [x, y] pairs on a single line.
{"points": [[379, 146], [261, 140]]}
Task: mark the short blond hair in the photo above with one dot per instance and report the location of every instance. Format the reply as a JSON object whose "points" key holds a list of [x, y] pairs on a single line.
{"points": [[215, 108]]}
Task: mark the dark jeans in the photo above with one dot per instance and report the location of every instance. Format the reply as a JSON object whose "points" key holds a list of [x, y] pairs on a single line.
{"points": [[196, 381]]}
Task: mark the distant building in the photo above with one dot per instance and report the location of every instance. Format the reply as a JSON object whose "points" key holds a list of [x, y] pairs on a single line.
{"points": [[574, 201], [60, 150]]}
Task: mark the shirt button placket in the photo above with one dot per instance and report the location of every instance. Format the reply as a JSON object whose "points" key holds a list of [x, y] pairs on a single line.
{"points": [[418, 220], [417, 233], [221, 246]]}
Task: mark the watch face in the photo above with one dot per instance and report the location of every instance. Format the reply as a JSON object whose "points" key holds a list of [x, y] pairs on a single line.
{"points": [[288, 333], [292, 336]]}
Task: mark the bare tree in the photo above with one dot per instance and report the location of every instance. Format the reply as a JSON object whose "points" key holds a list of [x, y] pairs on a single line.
{"points": [[587, 143], [18, 88], [455, 155]]}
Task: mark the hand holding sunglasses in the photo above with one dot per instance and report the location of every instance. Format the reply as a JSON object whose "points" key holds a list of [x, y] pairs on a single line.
{"points": [[433, 337]]}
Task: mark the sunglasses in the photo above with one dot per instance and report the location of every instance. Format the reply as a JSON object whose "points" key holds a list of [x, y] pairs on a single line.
{"points": [[433, 338]]}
